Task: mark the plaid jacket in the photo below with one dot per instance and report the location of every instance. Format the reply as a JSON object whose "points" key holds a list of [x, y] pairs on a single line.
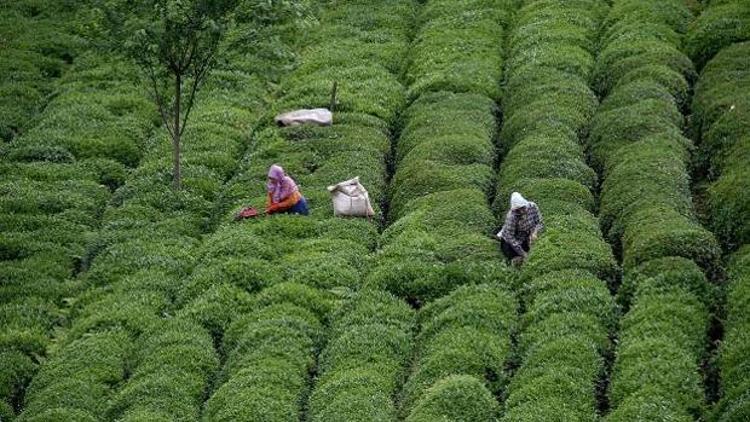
{"points": [[517, 229]]}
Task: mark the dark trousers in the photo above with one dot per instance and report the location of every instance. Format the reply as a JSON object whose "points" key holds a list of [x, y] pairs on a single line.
{"points": [[299, 208], [508, 250]]}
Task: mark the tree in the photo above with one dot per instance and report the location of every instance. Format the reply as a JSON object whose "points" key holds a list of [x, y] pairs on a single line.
{"points": [[176, 43]]}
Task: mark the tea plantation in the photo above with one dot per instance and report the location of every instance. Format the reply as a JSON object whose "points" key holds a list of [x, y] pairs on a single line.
{"points": [[626, 121]]}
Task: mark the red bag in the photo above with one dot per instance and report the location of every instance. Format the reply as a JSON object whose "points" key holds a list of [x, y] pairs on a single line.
{"points": [[247, 212]]}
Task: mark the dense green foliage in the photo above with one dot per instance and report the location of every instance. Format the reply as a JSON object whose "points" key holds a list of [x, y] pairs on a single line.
{"points": [[456, 49], [439, 215], [271, 349], [733, 363], [636, 138], [39, 44], [466, 332], [547, 106], [662, 341], [444, 157], [647, 212], [438, 200], [57, 177], [365, 359], [148, 233], [723, 120], [123, 299], [719, 40], [174, 359], [269, 354], [455, 398], [719, 25]]}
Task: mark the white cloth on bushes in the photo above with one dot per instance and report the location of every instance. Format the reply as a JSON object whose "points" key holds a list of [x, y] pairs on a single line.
{"points": [[316, 116], [350, 198]]}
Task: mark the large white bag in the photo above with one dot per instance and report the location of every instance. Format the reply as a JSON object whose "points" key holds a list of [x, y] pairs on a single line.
{"points": [[316, 116], [350, 198]]}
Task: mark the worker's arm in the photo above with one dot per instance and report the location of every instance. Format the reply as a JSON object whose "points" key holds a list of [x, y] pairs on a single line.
{"points": [[508, 233], [287, 203], [539, 226]]}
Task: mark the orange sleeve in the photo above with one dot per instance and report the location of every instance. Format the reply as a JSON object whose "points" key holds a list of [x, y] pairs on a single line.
{"points": [[289, 202], [285, 204]]}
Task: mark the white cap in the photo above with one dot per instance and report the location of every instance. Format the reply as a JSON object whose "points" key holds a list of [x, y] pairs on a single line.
{"points": [[517, 201]]}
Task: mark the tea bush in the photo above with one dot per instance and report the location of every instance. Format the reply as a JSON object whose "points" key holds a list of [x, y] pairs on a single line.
{"points": [[734, 348], [271, 347], [38, 48], [176, 359], [636, 141], [61, 170], [720, 25], [722, 121], [133, 267], [457, 397], [270, 351], [79, 378], [365, 359], [466, 333], [647, 211], [548, 106], [433, 196]]}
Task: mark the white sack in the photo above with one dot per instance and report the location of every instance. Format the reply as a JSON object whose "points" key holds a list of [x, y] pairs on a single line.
{"points": [[350, 198], [316, 116]]}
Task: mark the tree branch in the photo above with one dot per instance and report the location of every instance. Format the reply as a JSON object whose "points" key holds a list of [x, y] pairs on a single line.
{"points": [[152, 75], [198, 78]]}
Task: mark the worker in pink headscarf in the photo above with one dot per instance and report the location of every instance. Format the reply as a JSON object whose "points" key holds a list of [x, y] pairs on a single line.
{"points": [[283, 194]]}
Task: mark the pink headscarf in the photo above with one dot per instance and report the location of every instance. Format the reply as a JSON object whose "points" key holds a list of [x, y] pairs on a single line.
{"points": [[280, 186]]}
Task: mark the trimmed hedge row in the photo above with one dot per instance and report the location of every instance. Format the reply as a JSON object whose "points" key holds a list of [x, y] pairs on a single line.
{"points": [[636, 138], [38, 47], [438, 201], [54, 208], [270, 353], [456, 398], [365, 359], [456, 40], [464, 340], [169, 370], [76, 382], [646, 209], [564, 334], [225, 117], [722, 120], [569, 310], [364, 363], [547, 107], [147, 245], [321, 254], [271, 348], [662, 342], [444, 156], [735, 347], [719, 25], [97, 114], [52, 200]]}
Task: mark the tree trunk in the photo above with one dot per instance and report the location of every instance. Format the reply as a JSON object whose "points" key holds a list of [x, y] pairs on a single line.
{"points": [[176, 138]]}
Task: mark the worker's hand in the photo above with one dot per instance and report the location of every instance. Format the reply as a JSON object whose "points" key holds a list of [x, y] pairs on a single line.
{"points": [[533, 238], [271, 209]]}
